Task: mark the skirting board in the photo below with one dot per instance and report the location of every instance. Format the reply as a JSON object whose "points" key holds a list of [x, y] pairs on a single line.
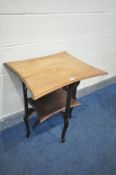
{"points": [[16, 118], [87, 90]]}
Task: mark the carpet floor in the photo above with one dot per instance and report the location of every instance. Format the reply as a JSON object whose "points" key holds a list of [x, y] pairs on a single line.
{"points": [[90, 147]]}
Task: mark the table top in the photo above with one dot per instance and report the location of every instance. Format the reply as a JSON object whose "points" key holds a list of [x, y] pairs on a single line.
{"points": [[45, 74]]}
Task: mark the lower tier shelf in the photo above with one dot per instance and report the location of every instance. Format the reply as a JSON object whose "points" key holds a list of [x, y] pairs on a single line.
{"points": [[51, 103]]}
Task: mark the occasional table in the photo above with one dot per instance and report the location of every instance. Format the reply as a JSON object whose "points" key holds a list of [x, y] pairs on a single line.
{"points": [[52, 81]]}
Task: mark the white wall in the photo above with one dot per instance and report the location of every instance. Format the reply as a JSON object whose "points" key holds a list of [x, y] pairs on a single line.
{"points": [[31, 28]]}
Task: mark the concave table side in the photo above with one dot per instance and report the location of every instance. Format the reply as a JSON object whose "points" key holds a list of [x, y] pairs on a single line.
{"points": [[43, 77]]}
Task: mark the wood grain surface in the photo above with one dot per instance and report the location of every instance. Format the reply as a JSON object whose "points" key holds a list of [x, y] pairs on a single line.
{"points": [[51, 104], [46, 74]]}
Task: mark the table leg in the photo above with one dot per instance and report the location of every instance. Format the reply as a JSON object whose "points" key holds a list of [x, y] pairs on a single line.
{"points": [[74, 91], [66, 113], [37, 121], [71, 93], [26, 115]]}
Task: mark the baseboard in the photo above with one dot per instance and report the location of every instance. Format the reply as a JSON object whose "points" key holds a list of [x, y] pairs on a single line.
{"points": [[89, 89], [16, 118]]}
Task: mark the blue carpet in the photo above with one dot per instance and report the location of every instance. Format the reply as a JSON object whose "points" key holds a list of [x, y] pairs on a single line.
{"points": [[90, 147]]}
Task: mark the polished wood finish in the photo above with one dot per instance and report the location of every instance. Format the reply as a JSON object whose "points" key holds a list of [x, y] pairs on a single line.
{"points": [[52, 81], [49, 73], [51, 104]]}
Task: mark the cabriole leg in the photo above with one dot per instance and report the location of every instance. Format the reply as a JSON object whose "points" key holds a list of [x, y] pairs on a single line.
{"points": [[66, 113], [74, 91], [26, 115]]}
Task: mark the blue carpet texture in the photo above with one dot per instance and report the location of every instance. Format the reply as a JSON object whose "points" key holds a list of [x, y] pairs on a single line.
{"points": [[90, 147]]}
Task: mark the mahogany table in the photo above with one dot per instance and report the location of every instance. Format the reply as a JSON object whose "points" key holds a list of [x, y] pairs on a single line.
{"points": [[52, 81]]}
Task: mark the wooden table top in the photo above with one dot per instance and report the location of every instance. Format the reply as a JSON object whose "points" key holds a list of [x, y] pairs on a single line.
{"points": [[45, 74]]}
